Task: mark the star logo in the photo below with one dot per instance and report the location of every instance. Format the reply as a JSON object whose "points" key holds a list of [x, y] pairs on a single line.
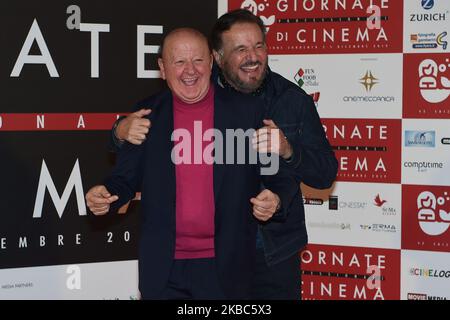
{"points": [[368, 81]]}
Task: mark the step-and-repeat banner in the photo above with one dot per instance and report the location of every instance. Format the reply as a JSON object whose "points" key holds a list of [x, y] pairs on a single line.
{"points": [[379, 73], [67, 70]]}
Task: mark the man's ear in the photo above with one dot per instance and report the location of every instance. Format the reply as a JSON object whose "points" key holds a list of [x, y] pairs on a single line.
{"points": [[161, 68], [217, 58]]}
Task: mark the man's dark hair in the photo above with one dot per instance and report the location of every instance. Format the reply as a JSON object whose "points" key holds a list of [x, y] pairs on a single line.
{"points": [[225, 22]]}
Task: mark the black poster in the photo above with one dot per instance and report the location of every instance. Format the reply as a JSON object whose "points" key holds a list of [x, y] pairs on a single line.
{"points": [[73, 57]]}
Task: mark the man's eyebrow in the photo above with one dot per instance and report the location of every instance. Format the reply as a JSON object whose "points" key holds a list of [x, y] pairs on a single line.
{"points": [[239, 47], [243, 46]]}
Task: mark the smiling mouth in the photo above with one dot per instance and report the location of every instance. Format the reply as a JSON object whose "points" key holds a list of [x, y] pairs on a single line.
{"points": [[189, 81], [249, 69]]}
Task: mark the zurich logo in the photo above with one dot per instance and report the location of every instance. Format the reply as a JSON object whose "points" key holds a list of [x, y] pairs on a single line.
{"points": [[427, 4]]}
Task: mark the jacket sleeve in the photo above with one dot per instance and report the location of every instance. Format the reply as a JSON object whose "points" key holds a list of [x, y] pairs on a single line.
{"points": [[126, 177], [313, 161], [115, 144], [283, 182], [285, 185]]}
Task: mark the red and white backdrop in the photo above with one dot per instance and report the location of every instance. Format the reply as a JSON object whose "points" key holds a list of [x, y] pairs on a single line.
{"points": [[379, 73], [382, 91]]}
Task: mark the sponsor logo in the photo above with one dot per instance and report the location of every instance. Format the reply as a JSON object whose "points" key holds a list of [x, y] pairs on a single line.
{"points": [[416, 296], [423, 296], [378, 201], [428, 16], [257, 9], [330, 225], [312, 201], [429, 40], [332, 202], [308, 78], [368, 81], [352, 205], [445, 140], [429, 273], [426, 83], [434, 82], [378, 227], [423, 166], [432, 217], [19, 285], [427, 4], [424, 139], [425, 216]]}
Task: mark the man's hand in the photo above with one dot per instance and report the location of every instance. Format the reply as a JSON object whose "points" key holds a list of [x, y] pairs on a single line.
{"points": [[271, 139], [265, 205], [99, 199], [134, 127]]}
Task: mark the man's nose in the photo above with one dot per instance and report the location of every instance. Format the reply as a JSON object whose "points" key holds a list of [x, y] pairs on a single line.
{"points": [[189, 68], [251, 54]]}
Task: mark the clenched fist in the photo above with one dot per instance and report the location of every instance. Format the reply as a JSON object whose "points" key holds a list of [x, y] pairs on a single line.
{"points": [[270, 139], [99, 200], [134, 127], [265, 205]]}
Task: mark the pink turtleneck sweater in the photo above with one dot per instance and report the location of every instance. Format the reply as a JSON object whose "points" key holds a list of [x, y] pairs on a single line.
{"points": [[194, 181]]}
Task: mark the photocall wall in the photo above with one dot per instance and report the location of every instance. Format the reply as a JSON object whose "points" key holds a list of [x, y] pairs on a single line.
{"points": [[378, 71], [67, 70]]}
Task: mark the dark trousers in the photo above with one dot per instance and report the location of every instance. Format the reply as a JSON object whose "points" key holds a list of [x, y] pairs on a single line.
{"points": [[193, 279], [278, 282]]}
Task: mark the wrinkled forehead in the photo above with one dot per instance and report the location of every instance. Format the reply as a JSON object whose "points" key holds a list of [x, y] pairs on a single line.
{"points": [[243, 32]]}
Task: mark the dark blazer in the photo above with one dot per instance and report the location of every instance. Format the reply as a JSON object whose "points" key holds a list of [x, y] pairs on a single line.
{"points": [[313, 161], [149, 168]]}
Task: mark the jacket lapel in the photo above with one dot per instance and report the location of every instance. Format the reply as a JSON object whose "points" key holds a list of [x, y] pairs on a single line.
{"points": [[220, 123], [165, 146]]}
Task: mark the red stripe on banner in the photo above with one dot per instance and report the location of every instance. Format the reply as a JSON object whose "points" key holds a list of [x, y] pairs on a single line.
{"points": [[57, 121]]}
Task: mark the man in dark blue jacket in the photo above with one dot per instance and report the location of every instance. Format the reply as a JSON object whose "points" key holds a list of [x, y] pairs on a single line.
{"points": [[239, 47], [197, 231]]}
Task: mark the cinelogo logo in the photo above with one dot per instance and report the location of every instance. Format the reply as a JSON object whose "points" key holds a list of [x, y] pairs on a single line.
{"points": [[432, 273]]}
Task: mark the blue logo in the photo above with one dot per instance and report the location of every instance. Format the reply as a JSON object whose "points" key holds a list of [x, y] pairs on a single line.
{"points": [[440, 40], [427, 4], [424, 139]]}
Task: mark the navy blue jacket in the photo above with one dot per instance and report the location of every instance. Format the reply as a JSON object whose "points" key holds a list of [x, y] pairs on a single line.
{"points": [[149, 168], [312, 163]]}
